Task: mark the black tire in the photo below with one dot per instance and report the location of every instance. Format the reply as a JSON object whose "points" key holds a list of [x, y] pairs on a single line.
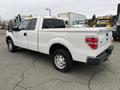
{"points": [[11, 46], [67, 59]]}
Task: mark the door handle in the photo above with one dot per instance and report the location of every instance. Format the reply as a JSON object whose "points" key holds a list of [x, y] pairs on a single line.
{"points": [[25, 34]]}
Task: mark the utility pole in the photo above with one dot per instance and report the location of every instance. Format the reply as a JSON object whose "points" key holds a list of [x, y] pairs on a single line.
{"points": [[49, 11]]}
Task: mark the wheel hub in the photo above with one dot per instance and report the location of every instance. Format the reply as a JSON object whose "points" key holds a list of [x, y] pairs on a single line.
{"points": [[60, 61]]}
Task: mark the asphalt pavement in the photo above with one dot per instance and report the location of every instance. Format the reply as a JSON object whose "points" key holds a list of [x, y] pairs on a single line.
{"points": [[29, 70]]}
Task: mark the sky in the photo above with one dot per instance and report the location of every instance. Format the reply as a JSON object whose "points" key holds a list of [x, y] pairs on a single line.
{"points": [[10, 8]]}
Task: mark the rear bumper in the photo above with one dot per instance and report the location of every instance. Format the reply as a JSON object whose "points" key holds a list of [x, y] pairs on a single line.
{"points": [[102, 57]]}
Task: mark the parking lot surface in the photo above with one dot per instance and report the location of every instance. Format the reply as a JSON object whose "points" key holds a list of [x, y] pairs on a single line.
{"points": [[28, 70]]}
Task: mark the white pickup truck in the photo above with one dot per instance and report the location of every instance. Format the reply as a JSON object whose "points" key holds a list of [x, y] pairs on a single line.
{"points": [[65, 45]]}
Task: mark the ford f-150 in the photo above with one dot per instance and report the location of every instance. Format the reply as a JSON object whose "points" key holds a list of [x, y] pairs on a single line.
{"points": [[65, 45]]}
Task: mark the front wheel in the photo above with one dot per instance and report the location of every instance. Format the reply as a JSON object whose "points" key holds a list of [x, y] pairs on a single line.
{"points": [[62, 60], [11, 46]]}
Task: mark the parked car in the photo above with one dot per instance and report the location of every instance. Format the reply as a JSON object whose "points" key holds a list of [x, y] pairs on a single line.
{"points": [[65, 45]]}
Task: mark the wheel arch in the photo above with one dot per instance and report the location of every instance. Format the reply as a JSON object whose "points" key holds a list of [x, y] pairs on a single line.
{"points": [[7, 38], [56, 46]]}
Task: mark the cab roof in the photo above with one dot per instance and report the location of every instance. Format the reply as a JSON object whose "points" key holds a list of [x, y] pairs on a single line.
{"points": [[45, 17]]}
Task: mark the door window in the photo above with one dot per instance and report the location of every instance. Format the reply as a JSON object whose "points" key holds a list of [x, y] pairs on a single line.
{"points": [[25, 25], [33, 24]]}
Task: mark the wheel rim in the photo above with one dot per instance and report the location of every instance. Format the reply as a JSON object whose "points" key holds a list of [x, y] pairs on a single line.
{"points": [[9, 45], [60, 61]]}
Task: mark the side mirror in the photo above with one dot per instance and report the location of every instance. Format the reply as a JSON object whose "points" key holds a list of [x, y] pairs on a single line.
{"points": [[16, 29]]}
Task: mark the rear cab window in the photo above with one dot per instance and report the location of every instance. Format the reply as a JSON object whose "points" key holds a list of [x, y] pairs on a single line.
{"points": [[53, 23]]}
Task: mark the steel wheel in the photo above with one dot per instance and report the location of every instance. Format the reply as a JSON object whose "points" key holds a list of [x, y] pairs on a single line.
{"points": [[60, 61]]}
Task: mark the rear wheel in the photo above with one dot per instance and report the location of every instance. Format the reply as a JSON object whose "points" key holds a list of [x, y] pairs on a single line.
{"points": [[62, 60], [11, 46]]}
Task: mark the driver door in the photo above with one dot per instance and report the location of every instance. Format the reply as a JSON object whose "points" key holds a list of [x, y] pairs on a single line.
{"points": [[21, 36]]}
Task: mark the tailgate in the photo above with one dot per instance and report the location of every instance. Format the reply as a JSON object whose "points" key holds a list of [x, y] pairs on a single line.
{"points": [[105, 37]]}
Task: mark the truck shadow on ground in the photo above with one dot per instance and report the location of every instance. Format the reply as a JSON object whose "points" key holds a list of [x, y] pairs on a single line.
{"points": [[45, 59]]}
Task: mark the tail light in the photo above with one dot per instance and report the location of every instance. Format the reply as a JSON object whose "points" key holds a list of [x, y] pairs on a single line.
{"points": [[92, 42]]}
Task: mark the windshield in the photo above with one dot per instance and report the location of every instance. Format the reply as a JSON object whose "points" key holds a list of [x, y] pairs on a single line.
{"points": [[53, 23]]}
